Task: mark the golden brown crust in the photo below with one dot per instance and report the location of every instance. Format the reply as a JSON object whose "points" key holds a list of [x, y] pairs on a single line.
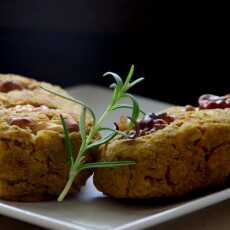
{"points": [[26, 83], [33, 165], [31, 93], [33, 162], [190, 154]]}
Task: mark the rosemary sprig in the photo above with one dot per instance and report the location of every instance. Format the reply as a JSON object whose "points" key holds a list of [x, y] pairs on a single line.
{"points": [[120, 89]]}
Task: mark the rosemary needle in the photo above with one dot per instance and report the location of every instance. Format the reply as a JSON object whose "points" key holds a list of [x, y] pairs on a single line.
{"points": [[120, 89]]}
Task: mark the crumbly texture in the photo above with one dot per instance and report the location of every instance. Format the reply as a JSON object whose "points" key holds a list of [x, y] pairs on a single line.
{"points": [[192, 153], [33, 161], [28, 91]]}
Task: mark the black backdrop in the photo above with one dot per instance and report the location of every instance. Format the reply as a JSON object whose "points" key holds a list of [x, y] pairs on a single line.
{"points": [[182, 52]]}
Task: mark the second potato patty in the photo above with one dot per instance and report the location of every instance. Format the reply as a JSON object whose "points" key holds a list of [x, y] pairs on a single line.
{"points": [[189, 154]]}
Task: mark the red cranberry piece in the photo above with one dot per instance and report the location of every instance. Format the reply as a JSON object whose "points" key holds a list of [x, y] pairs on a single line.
{"points": [[72, 125], [10, 85], [209, 101], [166, 117], [159, 121], [21, 122], [150, 123], [159, 124], [146, 122]]}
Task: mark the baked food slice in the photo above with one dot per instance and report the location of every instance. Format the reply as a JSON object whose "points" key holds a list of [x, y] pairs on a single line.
{"points": [[33, 162], [176, 153], [19, 90]]}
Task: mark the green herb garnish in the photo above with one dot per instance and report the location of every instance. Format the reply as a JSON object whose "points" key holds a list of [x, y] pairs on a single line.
{"points": [[120, 89]]}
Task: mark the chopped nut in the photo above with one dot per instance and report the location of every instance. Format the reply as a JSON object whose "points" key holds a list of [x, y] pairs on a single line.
{"points": [[22, 122], [10, 85], [123, 123], [189, 108]]}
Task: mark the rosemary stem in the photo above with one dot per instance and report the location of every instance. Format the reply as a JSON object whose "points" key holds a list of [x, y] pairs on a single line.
{"points": [[75, 169], [67, 186], [94, 130], [88, 137], [78, 159]]}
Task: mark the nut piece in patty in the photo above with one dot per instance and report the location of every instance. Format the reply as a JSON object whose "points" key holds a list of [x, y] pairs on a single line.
{"points": [[33, 164], [21, 122], [189, 154], [9, 85], [18, 90]]}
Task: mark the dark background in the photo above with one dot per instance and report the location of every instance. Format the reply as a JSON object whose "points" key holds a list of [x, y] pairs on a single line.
{"points": [[181, 50]]}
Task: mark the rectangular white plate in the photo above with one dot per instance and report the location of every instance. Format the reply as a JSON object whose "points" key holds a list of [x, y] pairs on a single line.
{"points": [[91, 209]]}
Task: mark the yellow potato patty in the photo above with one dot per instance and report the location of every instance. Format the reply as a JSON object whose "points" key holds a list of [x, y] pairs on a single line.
{"points": [[189, 154]]}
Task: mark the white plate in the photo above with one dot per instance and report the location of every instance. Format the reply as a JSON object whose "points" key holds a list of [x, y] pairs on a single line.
{"points": [[91, 209]]}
